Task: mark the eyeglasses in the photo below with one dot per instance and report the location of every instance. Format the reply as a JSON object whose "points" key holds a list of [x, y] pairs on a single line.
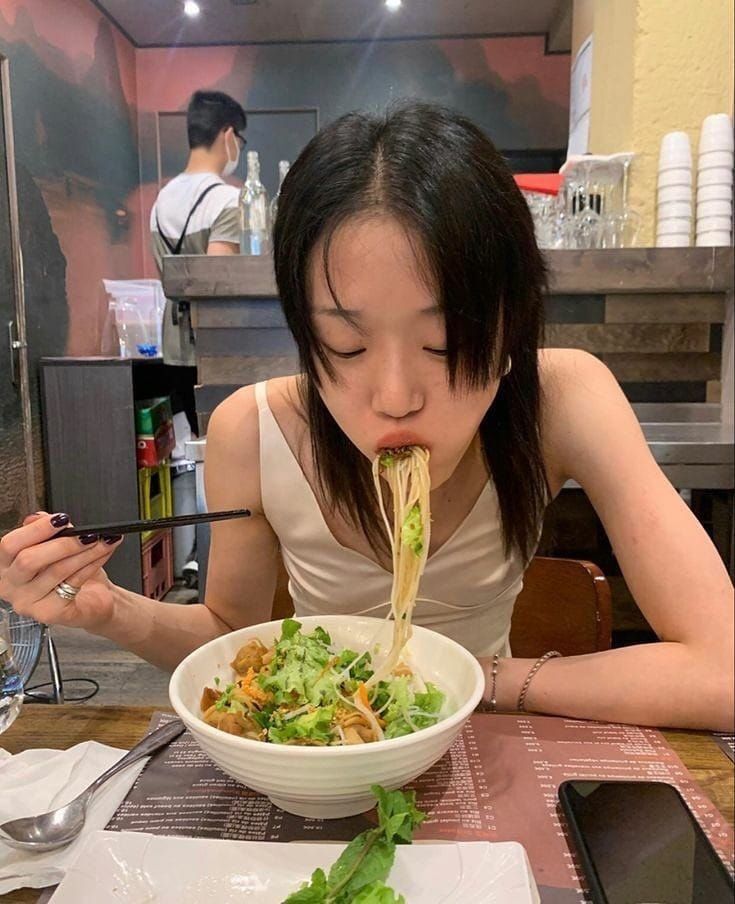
{"points": [[240, 138]]}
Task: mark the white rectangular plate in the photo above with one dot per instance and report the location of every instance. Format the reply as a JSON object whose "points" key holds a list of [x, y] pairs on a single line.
{"points": [[137, 868]]}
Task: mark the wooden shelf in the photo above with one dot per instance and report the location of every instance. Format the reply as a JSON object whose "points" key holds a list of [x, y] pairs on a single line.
{"points": [[631, 270]]}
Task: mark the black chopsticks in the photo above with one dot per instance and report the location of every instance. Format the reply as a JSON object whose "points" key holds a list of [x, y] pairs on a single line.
{"points": [[111, 528]]}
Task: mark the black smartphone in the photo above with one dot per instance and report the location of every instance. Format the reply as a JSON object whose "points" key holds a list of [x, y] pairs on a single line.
{"points": [[639, 843]]}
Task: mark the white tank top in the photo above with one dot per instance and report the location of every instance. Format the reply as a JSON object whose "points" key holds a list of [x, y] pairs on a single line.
{"points": [[468, 587]]}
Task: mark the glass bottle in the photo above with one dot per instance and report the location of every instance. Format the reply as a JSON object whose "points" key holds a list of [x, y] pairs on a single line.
{"points": [[254, 227], [283, 167]]}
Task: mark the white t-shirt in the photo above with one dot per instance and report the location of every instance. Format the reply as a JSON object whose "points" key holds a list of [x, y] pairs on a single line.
{"points": [[216, 219]]}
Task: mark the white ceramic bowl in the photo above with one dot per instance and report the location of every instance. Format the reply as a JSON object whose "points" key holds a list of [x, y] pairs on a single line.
{"points": [[711, 159], [714, 224], [674, 226], [674, 193], [714, 193], [708, 239], [330, 782], [714, 209], [672, 241], [668, 209], [675, 175], [716, 175]]}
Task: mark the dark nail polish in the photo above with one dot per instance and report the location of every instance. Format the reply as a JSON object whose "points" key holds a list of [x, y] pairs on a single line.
{"points": [[88, 539], [60, 520], [112, 538]]}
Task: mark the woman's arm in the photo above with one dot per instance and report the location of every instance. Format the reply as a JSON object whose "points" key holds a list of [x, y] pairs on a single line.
{"points": [[243, 553], [670, 565]]}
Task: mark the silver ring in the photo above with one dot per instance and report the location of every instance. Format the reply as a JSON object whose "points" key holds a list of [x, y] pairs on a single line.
{"points": [[66, 591]]}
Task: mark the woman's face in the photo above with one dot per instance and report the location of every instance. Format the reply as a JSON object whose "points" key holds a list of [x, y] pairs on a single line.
{"points": [[387, 347]]}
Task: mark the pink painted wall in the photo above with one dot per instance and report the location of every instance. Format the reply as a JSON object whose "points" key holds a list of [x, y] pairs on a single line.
{"points": [[74, 91], [85, 107]]}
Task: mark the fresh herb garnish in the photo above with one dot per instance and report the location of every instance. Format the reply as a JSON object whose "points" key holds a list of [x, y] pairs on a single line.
{"points": [[225, 698], [358, 875]]}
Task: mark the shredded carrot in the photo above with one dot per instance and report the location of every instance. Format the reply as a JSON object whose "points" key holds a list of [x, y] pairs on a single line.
{"points": [[362, 694], [252, 690]]}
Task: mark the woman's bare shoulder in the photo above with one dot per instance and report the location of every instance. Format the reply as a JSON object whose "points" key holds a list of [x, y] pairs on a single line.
{"points": [[233, 432], [233, 425], [579, 395], [567, 372], [232, 458]]}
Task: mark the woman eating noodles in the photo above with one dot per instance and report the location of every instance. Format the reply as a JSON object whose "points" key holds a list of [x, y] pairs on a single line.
{"points": [[410, 279]]}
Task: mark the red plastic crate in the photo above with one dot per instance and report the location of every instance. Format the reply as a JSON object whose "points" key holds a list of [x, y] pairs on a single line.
{"points": [[157, 555]]}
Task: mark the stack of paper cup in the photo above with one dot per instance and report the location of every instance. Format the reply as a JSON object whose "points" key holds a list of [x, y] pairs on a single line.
{"points": [[714, 181], [674, 199]]}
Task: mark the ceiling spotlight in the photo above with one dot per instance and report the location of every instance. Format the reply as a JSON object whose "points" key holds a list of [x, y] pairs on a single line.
{"points": [[393, 5], [192, 8]]}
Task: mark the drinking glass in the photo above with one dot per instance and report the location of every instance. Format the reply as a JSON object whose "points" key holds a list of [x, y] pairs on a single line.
{"points": [[11, 686], [620, 230], [587, 229]]}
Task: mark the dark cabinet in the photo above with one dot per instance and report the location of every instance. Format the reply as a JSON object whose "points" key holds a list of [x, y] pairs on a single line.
{"points": [[88, 410]]}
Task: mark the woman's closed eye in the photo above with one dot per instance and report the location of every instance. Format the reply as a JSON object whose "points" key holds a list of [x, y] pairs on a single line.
{"points": [[345, 354], [440, 352]]}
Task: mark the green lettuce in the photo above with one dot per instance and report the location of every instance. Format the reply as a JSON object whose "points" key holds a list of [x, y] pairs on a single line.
{"points": [[431, 701], [409, 712], [412, 530], [314, 726], [359, 664], [299, 671]]}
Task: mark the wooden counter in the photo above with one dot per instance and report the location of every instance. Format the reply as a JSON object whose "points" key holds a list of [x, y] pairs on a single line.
{"points": [[628, 271]]}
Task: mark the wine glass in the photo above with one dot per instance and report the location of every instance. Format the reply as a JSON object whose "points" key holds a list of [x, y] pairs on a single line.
{"points": [[11, 685], [620, 230]]}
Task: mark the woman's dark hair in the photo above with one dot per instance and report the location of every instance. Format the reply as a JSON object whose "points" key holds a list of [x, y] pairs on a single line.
{"points": [[435, 172], [208, 113]]}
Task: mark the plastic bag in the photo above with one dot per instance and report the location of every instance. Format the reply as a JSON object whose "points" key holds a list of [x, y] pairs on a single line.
{"points": [[136, 307]]}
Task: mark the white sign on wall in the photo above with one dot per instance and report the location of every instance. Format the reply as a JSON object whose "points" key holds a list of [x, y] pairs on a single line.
{"points": [[580, 100]]}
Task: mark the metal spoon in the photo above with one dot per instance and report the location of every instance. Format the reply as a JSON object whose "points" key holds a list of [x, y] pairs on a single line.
{"points": [[61, 826]]}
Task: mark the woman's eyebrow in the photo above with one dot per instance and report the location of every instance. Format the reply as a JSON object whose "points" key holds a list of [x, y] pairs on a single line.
{"points": [[354, 318], [347, 314]]}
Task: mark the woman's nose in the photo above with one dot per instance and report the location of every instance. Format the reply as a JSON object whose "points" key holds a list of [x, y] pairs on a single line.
{"points": [[396, 393]]}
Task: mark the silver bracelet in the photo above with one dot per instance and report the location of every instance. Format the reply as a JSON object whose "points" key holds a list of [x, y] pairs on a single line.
{"points": [[552, 654], [494, 683]]}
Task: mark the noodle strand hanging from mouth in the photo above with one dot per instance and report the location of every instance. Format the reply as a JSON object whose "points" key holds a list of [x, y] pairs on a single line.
{"points": [[407, 473]]}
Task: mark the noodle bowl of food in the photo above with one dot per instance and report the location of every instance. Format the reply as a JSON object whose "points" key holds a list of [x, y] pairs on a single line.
{"points": [[295, 728], [314, 712]]}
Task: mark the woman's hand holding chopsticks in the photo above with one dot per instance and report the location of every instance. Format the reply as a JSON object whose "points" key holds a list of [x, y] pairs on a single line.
{"points": [[57, 580]]}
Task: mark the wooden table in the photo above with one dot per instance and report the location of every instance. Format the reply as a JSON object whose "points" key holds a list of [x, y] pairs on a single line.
{"points": [[122, 726]]}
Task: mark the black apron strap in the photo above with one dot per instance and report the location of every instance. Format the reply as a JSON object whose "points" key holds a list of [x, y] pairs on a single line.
{"points": [[176, 249], [182, 306]]}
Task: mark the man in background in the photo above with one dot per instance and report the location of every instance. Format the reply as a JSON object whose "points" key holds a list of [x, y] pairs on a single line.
{"points": [[197, 211]]}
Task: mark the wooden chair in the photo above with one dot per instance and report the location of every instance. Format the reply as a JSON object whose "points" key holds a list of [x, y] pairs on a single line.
{"points": [[564, 606]]}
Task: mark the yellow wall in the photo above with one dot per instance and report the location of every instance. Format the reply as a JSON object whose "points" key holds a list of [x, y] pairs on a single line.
{"points": [[613, 67], [658, 66], [583, 18]]}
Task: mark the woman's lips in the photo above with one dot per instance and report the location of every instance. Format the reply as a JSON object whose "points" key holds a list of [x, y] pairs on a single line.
{"points": [[399, 438]]}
